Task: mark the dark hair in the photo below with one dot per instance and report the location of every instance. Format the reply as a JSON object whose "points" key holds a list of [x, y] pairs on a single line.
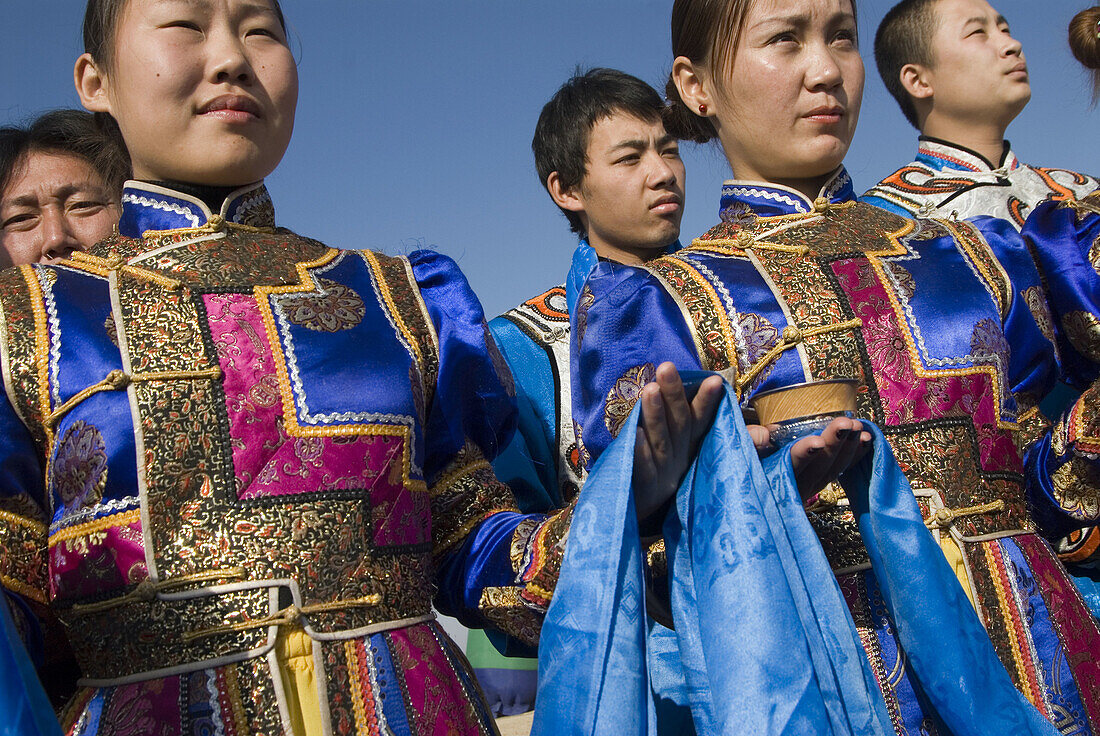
{"points": [[71, 132], [101, 18], [905, 37], [561, 134], [1084, 41], [707, 32]]}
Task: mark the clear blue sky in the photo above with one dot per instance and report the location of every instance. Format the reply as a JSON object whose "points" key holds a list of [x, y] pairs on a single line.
{"points": [[415, 117]]}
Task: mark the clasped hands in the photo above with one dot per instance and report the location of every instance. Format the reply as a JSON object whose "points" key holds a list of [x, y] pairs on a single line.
{"points": [[672, 428]]}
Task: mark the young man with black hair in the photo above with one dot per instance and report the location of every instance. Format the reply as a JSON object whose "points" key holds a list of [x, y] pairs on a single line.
{"points": [[960, 78], [603, 155]]}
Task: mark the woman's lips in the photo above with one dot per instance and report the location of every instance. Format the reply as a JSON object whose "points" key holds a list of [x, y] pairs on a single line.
{"points": [[232, 108], [825, 114]]}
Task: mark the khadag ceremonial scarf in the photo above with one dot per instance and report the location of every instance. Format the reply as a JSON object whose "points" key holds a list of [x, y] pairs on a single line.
{"points": [[766, 642]]}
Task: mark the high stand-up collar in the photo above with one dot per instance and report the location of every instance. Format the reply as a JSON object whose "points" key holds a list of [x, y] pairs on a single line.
{"points": [[584, 260], [941, 154], [771, 200], [151, 207]]}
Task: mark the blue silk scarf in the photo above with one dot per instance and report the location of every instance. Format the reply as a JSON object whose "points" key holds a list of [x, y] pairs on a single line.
{"points": [[24, 709], [766, 642]]}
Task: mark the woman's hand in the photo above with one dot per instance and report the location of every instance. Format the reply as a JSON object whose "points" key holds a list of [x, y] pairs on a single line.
{"points": [[818, 460], [668, 436]]}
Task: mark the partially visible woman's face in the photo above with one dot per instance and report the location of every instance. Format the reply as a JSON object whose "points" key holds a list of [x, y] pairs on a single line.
{"points": [[53, 204], [203, 90], [787, 110]]}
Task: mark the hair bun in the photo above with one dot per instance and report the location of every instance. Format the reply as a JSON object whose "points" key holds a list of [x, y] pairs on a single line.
{"points": [[1084, 37], [681, 122]]}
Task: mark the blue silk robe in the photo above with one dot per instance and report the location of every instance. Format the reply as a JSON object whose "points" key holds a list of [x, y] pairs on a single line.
{"points": [[921, 314], [215, 433]]}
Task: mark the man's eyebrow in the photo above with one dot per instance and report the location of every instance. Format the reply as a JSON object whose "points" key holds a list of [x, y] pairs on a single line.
{"points": [[666, 139], [636, 143]]}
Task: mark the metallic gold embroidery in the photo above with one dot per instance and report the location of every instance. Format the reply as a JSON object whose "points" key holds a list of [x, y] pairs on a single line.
{"points": [[466, 494], [703, 309], [1075, 489], [625, 394], [333, 308], [23, 566], [1083, 331], [506, 609]]}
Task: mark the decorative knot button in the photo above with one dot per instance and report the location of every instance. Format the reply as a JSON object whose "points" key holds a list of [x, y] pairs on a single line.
{"points": [[744, 240], [792, 334], [216, 223], [822, 205]]}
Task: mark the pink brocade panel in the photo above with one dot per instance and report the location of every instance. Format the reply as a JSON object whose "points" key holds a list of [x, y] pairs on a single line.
{"points": [[268, 462], [907, 398], [438, 703], [1076, 626], [97, 562], [142, 708]]}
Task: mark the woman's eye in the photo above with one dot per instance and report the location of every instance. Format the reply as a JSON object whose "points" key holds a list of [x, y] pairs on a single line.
{"points": [[785, 37], [187, 25], [846, 36]]}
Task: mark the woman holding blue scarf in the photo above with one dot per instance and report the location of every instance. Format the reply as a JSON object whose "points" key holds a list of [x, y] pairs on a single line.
{"points": [[800, 283]]}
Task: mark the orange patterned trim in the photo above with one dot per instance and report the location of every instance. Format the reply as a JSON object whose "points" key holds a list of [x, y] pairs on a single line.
{"points": [[232, 694], [1092, 543], [1025, 668], [366, 720], [1061, 193]]}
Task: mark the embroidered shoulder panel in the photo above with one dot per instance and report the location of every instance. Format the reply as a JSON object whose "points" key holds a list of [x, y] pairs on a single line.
{"points": [[712, 330], [25, 346], [544, 319], [402, 297]]}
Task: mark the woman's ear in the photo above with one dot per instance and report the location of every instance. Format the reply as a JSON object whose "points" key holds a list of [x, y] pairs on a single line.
{"points": [[91, 85], [690, 84]]}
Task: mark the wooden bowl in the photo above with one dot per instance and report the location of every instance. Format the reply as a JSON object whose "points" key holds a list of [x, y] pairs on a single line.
{"points": [[806, 400]]}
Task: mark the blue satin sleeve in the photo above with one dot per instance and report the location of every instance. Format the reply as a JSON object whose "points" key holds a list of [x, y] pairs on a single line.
{"points": [[624, 325], [1061, 241], [1061, 238], [1059, 486], [528, 464], [1033, 366], [483, 561], [473, 397], [884, 204]]}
